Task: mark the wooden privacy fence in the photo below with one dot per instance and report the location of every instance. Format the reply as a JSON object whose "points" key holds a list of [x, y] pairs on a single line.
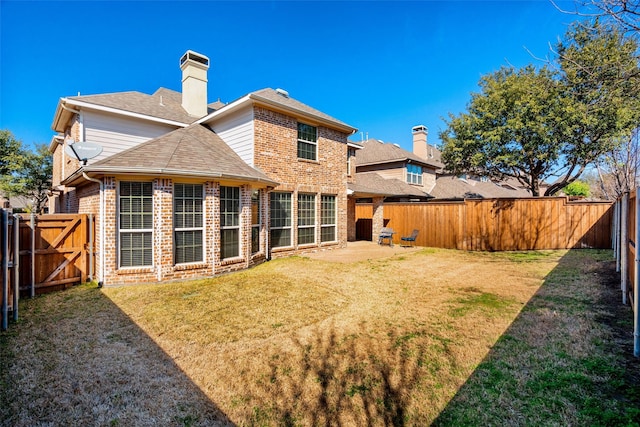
{"points": [[626, 238], [499, 224], [41, 253]]}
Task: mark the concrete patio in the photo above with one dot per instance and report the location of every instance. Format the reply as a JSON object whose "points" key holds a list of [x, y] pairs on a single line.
{"points": [[360, 251]]}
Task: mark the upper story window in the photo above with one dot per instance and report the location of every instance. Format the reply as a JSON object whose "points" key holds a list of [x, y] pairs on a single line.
{"points": [[307, 142], [414, 174]]}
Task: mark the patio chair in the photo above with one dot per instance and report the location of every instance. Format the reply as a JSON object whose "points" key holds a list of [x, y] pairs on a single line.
{"points": [[386, 233], [410, 240]]}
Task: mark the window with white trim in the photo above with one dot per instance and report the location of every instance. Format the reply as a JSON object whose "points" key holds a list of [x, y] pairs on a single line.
{"points": [[229, 222], [414, 174], [255, 221], [188, 223], [307, 142], [135, 224], [328, 219], [306, 219], [280, 225]]}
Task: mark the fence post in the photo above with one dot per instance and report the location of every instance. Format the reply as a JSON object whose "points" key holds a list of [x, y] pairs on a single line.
{"points": [[4, 225], [617, 230], [33, 255], [16, 265], [91, 254], [636, 282], [624, 246]]}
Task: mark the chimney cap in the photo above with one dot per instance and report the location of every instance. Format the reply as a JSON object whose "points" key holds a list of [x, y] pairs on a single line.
{"points": [[195, 57], [420, 128]]}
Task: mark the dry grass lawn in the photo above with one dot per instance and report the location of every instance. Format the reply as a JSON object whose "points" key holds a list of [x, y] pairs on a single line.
{"points": [[432, 336]]}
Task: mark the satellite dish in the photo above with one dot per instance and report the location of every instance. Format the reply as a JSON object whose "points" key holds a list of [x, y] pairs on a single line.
{"points": [[83, 150]]}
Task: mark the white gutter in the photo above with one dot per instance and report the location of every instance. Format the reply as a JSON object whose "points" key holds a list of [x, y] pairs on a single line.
{"points": [[64, 107], [102, 228]]}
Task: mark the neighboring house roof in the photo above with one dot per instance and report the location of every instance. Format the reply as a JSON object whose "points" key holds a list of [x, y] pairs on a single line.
{"points": [[375, 152], [435, 157], [279, 100], [452, 187], [370, 184], [194, 151], [16, 202]]}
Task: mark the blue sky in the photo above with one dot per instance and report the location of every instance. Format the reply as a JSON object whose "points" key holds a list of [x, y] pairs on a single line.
{"points": [[381, 67]]}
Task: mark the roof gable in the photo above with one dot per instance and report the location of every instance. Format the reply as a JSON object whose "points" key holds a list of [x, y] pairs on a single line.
{"points": [[163, 104], [279, 101]]}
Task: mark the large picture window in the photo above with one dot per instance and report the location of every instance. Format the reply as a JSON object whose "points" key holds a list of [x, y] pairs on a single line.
{"points": [[306, 219], [307, 142], [229, 222], [328, 219], [188, 222], [414, 174], [135, 207], [255, 221], [280, 212]]}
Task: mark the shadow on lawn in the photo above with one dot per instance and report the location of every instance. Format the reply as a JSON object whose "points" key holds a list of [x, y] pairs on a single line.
{"points": [[76, 359], [565, 360], [354, 380]]}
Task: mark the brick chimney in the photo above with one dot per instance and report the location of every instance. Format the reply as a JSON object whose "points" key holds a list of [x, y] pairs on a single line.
{"points": [[420, 141], [194, 68]]}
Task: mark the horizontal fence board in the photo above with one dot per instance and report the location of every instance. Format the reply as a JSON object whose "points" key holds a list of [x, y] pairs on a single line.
{"points": [[500, 224]]}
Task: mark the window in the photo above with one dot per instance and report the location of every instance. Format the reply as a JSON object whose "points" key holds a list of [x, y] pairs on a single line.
{"points": [[188, 223], [229, 222], [306, 219], [307, 142], [351, 153], [280, 209], [414, 174], [255, 221], [328, 219], [135, 204]]}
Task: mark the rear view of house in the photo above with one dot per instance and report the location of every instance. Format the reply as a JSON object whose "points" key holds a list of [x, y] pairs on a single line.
{"points": [[183, 188]]}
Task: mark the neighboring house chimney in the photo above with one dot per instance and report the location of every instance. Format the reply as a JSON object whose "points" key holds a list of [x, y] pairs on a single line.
{"points": [[420, 141], [194, 68]]}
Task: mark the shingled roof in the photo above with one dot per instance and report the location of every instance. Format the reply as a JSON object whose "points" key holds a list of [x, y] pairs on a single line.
{"points": [[374, 152], [194, 151], [370, 184], [280, 100], [452, 187], [163, 104]]}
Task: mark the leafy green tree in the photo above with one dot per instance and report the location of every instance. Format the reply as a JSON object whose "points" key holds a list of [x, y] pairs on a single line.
{"points": [[601, 84], [577, 188], [10, 153], [513, 128], [544, 124], [25, 173]]}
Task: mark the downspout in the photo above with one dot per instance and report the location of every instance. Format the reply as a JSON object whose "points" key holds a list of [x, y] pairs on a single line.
{"points": [[102, 228]]}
